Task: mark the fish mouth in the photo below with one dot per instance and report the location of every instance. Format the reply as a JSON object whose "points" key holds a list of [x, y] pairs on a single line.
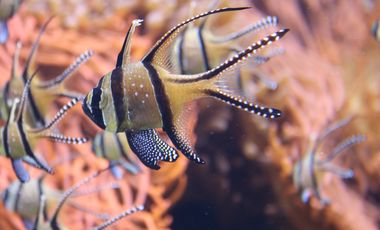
{"points": [[94, 114]]}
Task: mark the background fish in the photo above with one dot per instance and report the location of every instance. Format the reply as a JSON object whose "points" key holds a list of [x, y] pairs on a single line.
{"points": [[114, 148], [308, 171]]}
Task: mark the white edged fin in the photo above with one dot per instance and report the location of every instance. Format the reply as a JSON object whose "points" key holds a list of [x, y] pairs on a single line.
{"points": [[124, 55], [120, 216], [160, 54], [84, 57]]}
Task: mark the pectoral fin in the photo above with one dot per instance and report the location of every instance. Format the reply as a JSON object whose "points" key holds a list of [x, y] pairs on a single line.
{"points": [[149, 147], [20, 170]]}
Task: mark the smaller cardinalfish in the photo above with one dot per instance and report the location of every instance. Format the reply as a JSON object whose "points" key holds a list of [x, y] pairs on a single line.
{"points": [[42, 93], [24, 198], [7, 9], [138, 97], [113, 147], [42, 222], [198, 49], [308, 171], [18, 139]]}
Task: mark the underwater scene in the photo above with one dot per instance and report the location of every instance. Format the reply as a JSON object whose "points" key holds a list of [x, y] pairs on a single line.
{"points": [[190, 114]]}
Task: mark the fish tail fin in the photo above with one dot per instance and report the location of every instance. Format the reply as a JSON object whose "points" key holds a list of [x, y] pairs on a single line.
{"points": [[231, 62]]}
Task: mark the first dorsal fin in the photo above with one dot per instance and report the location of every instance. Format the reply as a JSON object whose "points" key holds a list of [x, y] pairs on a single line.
{"points": [[124, 55], [158, 55]]}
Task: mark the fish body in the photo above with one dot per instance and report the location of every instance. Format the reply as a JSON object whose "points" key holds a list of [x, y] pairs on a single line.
{"points": [[7, 10], [309, 171], [43, 222], [18, 139], [114, 148], [147, 95]]}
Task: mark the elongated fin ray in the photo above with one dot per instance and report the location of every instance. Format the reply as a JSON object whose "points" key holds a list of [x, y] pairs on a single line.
{"points": [[241, 103], [102, 216], [124, 56], [68, 193], [159, 52], [58, 116], [120, 216], [20, 171], [16, 57], [341, 172], [225, 66], [34, 49], [149, 147], [41, 212], [84, 57], [253, 28], [331, 128], [96, 189], [66, 140], [342, 146]]}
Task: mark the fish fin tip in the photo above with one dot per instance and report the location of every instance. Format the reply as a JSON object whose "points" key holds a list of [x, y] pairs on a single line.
{"points": [[21, 173]]}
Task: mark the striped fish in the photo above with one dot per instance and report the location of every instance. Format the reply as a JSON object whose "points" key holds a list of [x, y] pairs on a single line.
{"points": [[113, 147], [24, 198], [42, 222], [308, 171], [18, 139], [7, 9], [42, 93], [137, 97], [198, 49]]}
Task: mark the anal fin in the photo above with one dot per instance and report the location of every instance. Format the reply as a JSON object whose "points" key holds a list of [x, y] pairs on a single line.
{"points": [[20, 170], [150, 148]]}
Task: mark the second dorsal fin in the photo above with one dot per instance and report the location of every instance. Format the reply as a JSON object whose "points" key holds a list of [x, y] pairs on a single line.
{"points": [[159, 54]]}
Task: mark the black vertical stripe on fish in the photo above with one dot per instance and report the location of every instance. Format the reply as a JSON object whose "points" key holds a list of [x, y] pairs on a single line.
{"points": [[5, 196], [102, 147], [18, 195], [180, 52], [121, 148], [96, 111], [36, 113], [41, 193], [5, 140], [117, 92], [203, 48], [28, 149], [6, 95], [150, 55], [167, 115]]}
